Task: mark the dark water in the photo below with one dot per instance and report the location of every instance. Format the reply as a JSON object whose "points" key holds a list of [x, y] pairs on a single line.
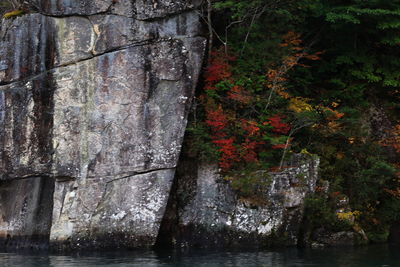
{"points": [[377, 255]]}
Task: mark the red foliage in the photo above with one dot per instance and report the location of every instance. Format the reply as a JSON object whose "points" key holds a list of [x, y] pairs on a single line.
{"points": [[279, 146], [232, 110], [249, 150], [218, 69], [238, 94], [216, 120], [277, 124], [393, 139], [235, 145], [250, 147], [250, 127], [228, 152]]}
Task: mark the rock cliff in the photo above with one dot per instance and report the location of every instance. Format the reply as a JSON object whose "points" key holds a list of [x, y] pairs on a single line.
{"points": [[94, 99]]}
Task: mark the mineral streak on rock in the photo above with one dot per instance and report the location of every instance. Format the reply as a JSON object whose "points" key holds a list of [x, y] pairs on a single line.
{"points": [[94, 100]]}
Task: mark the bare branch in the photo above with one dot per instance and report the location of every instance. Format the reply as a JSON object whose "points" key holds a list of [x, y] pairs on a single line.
{"points": [[210, 28], [292, 132]]}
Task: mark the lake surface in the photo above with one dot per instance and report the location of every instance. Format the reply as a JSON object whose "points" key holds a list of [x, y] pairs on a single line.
{"points": [[374, 255]]}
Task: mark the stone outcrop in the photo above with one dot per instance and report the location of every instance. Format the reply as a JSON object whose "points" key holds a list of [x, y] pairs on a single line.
{"points": [[94, 100], [323, 239], [206, 212]]}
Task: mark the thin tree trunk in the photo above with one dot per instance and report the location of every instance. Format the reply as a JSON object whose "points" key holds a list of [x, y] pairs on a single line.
{"points": [[210, 28], [285, 150]]}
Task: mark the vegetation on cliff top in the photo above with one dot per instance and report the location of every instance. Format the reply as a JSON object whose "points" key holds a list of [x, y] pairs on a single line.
{"points": [[318, 76]]}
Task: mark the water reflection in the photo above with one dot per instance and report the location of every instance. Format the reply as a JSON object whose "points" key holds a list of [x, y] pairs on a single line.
{"points": [[382, 255]]}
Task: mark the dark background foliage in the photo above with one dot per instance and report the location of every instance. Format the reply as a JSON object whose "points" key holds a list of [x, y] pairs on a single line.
{"points": [[335, 82]]}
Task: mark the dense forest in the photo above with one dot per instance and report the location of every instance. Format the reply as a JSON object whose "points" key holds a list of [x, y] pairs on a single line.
{"points": [[310, 76]]}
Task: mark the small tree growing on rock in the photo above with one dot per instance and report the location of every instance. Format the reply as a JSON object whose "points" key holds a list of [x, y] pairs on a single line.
{"points": [[13, 8]]}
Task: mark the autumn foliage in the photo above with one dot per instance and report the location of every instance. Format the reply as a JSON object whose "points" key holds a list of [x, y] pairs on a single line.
{"points": [[309, 82], [277, 125], [393, 139], [222, 120], [218, 69], [239, 139], [243, 125]]}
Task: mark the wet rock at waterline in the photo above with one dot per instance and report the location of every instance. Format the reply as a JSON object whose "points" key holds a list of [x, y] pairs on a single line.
{"points": [[94, 103], [25, 213]]}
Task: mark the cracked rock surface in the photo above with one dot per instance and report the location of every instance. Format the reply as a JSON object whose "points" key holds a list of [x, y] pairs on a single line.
{"points": [[94, 97]]}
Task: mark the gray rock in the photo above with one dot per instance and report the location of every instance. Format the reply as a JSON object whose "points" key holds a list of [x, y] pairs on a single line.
{"points": [[118, 31], [138, 9], [25, 213], [344, 238], [32, 44], [124, 212], [71, 7], [214, 215], [113, 113], [25, 44], [128, 117], [98, 104], [161, 8]]}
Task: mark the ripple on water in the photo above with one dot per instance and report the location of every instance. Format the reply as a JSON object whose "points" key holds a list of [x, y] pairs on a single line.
{"points": [[382, 255]]}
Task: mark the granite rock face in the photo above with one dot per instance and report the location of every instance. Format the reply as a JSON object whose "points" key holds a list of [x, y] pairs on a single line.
{"points": [[206, 212], [94, 99]]}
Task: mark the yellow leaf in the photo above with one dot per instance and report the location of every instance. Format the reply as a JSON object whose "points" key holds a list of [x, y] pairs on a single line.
{"points": [[299, 104], [14, 13]]}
